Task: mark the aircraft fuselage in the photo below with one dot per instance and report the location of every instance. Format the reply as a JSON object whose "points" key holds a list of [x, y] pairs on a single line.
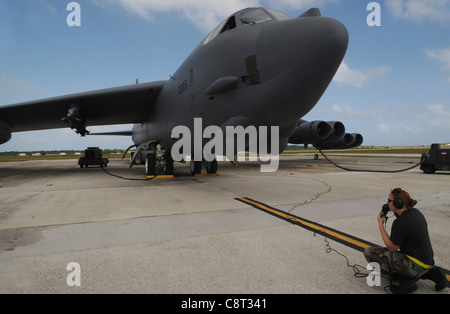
{"points": [[261, 73]]}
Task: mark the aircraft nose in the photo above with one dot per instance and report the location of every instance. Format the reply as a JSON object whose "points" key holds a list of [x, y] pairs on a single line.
{"points": [[300, 44], [296, 61]]}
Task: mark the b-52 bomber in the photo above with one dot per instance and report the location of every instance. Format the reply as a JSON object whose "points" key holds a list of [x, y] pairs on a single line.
{"points": [[258, 68]]}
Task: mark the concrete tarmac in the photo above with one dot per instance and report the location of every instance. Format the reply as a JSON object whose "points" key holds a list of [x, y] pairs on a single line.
{"points": [[189, 235]]}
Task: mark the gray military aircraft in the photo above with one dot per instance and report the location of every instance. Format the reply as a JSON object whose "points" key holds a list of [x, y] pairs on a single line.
{"points": [[258, 67]]}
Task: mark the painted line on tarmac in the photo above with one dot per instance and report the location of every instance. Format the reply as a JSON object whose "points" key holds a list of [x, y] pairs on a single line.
{"points": [[336, 235]]}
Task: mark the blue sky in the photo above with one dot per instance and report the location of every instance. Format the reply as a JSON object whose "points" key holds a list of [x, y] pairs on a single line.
{"points": [[393, 86]]}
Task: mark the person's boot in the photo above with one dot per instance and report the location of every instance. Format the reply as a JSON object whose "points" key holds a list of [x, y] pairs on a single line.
{"points": [[403, 285], [438, 276]]}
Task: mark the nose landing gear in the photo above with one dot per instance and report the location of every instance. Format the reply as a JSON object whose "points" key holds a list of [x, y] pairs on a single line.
{"points": [[158, 162]]}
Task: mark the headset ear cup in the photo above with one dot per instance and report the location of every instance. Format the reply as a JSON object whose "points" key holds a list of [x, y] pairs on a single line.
{"points": [[398, 203]]}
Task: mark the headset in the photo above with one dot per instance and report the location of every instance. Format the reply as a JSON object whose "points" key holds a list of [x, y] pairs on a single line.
{"points": [[398, 202]]}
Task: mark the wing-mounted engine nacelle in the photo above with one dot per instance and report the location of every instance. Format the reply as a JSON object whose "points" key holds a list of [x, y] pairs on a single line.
{"points": [[349, 140], [75, 121], [5, 133], [324, 135], [358, 139], [310, 132]]}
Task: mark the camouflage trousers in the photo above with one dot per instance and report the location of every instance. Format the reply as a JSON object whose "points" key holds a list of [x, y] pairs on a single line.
{"points": [[394, 263]]}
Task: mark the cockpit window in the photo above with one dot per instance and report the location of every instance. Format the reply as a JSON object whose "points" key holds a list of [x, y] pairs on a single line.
{"points": [[249, 16], [253, 16], [279, 15], [231, 23], [214, 33], [223, 27]]}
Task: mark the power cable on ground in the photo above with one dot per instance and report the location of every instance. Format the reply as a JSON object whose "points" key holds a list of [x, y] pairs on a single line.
{"points": [[370, 170]]}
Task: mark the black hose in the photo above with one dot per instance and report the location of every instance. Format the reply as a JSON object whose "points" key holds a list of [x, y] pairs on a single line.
{"points": [[371, 170]]}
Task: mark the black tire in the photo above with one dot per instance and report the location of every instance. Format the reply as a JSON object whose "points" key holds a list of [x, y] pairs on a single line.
{"points": [[211, 167], [169, 163], [428, 169], [150, 164], [196, 167]]}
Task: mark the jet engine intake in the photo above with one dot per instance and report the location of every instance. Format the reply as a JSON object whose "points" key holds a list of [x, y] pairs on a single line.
{"points": [[342, 142], [348, 140], [5, 133], [310, 132], [324, 135], [358, 140]]}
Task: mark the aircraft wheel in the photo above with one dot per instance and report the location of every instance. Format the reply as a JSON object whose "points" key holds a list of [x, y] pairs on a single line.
{"points": [[211, 167], [169, 164], [196, 167], [150, 165]]}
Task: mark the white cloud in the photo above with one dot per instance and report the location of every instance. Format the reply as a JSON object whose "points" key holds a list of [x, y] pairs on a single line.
{"points": [[346, 110], [438, 113], [412, 129], [420, 10], [299, 4], [11, 87], [402, 130], [358, 78], [385, 128], [49, 6], [440, 110], [407, 123], [442, 55], [204, 14]]}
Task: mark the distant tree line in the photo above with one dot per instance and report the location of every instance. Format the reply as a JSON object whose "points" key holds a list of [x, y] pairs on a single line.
{"points": [[59, 152]]}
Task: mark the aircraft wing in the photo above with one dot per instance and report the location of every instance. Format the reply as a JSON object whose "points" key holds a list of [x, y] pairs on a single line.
{"points": [[119, 105]]}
